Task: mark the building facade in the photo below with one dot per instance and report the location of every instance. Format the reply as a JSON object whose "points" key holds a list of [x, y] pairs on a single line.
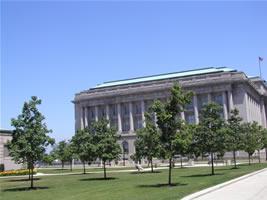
{"points": [[6, 135], [124, 102]]}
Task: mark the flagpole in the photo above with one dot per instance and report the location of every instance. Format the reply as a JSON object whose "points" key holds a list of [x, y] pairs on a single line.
{"points": [[260, 66]]}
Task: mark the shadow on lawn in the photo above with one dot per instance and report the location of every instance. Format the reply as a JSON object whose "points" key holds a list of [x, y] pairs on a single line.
{"points": [[203, 175], [145, 172], [98, 179], [24, 189], [159, 185], [21, 180]]}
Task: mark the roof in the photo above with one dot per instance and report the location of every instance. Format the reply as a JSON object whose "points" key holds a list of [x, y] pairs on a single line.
{"points": [[165, 76]]}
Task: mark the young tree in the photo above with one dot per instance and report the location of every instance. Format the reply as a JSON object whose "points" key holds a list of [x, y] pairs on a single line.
{"points": [[30, 136], [60, 152], [147, 144], [264, 138], [84, 147], [210, 136], [234, 133], [251, 138], [183, 140], [105, 139], [169, 121], [48, 158]]}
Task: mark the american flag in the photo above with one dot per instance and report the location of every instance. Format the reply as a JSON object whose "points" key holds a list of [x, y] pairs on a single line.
{"points": [[260, 58]]}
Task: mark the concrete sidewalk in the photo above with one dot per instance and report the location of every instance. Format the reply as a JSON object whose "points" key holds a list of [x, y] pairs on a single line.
{"points": [[249, 187]]}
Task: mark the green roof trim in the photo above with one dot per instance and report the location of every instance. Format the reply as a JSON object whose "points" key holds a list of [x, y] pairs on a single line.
{"points": [[186, 73]]}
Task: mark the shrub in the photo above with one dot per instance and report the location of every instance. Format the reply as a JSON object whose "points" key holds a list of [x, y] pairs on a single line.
{"points": [[2, 167], [16, 172]]}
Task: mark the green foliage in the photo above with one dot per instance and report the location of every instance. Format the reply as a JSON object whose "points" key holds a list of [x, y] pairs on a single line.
{"points": [[211, 136], [83, 146], [147, 144], [169, 121], [48, 159], [64, 151], [253, 138], [234, 133], [30, 135]]}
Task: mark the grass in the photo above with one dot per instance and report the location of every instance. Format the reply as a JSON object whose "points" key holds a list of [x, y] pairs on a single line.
{"points": [[121, 186]]}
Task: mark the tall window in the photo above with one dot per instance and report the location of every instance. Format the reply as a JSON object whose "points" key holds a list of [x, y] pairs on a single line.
{"points": [[125, 147], [218, 98], [113, 116], [91, 115], [101, 112], [202, 99], [137, 115], [189, 113], [125, 117]]}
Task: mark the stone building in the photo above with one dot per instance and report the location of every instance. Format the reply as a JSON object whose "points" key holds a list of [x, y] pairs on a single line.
{"points": [[124, 102], [6, 135]]}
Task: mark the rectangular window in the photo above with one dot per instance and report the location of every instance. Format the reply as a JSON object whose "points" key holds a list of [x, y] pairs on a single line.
{"points": [[101, 112], [202, 100], [113, 116]]}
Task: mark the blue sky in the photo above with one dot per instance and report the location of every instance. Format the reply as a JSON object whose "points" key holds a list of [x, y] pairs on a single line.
{"points": [[56, 49]]}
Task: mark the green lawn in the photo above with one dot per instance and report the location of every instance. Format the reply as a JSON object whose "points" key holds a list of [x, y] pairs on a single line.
{"points": [[121, 185]]}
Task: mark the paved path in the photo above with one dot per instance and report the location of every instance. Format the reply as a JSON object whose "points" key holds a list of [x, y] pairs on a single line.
{"points": [[249, 187]]}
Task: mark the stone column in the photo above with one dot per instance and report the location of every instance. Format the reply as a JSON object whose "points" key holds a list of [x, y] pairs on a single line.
{"points": [[131, 116], [182, 116], [143, 112], [119, 117], [263, 114], [195, 109], [225, 112], [86, 117], [209, 97], [96, 113], [107, 114], [230, 100], [247, 106], [81, 118]]}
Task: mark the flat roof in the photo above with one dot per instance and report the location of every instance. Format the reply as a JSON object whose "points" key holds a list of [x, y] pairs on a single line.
{"points": [[165, 76]]}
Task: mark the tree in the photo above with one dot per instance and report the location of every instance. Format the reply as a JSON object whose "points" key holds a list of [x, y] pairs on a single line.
{"points": [[30, 136], [234, 133], [105, 139], [264, 138], [210, 136], [253, 138], [183, 140], [48, 158], [60, 152], [147, 144], [84, 147], [169, 121]]}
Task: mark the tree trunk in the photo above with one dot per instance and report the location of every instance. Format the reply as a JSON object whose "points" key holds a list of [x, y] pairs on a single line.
{"points": [[234, 158], [151, 161], [259, 156], [62, 165], [170, 171], [181, 162], [29, 172], [249, 159], [31, 176], [105, 174], [212, 165], [71, 165], [266, 153], [84, 168]]}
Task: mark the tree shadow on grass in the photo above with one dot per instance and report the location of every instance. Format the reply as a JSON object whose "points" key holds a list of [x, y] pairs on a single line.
{"points": [[99, 179], [22, 180], [203, 175], [24, 189], [145, 172], [159, 185]]}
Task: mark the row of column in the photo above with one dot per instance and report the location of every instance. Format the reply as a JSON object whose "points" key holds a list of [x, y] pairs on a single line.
{"points": [[84, 120]]}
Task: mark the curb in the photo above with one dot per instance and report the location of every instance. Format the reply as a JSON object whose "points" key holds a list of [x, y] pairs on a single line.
{"points": [[219, 186]]}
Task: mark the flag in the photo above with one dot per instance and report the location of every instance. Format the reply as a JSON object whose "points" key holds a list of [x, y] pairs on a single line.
{"points": [[260, 58]]}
